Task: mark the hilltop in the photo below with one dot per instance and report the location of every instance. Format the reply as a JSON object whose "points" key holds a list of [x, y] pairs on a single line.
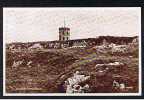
{"points": [[37, 67]]}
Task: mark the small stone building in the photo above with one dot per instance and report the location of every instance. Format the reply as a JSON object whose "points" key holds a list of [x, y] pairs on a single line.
{"points": [[64, 33]]}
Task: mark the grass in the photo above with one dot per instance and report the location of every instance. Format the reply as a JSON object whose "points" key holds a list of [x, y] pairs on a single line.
{"points": [[50, 68]]}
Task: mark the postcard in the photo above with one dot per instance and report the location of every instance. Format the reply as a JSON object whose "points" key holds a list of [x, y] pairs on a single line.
{"points": [[72, 51]]}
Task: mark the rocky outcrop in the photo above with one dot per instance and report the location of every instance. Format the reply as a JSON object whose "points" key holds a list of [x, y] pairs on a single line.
{"points": [[73, 83]]}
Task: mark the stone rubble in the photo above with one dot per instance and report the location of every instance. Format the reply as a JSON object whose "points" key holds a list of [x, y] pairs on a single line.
{"points": [[16, 64], [73, 83]]}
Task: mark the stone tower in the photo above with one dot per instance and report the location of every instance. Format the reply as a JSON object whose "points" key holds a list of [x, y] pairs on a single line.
{"points": [[64, 33]]}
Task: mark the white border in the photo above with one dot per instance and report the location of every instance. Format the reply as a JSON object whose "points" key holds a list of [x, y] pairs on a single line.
{"points": [[80, 94]]}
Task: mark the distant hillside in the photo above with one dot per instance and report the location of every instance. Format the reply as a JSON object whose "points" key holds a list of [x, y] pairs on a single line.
{"points": [[77, 42]]}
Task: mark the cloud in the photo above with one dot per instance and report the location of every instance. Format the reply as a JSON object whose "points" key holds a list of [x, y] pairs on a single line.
{"points": [[41, 24]]}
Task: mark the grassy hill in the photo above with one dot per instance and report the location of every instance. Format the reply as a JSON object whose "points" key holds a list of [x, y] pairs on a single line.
{"points": [[44, 71]]}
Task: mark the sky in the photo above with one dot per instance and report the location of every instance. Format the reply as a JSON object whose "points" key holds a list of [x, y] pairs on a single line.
{"points": [[41, 24]]}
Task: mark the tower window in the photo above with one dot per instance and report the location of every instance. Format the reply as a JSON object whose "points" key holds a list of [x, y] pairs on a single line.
{"points": [[60, 37], [63, 38], [67, 38]]}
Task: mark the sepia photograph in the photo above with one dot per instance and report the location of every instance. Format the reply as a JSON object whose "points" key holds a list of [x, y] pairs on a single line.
{"points": [[72, 51]]}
